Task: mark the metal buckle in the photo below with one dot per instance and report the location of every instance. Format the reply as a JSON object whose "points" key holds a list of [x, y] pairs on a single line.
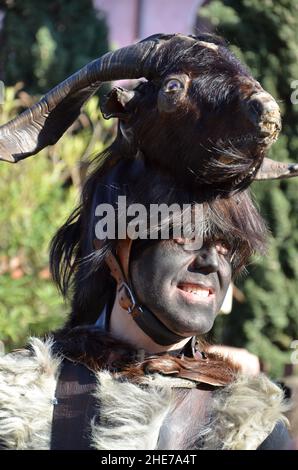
{"points": [[131, 297]]}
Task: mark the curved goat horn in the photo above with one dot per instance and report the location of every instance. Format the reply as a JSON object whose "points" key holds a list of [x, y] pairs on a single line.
{"points": [[45, 122], [272, 170]]}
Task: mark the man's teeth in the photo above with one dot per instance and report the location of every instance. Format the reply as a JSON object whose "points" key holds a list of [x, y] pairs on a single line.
{"points": [[197, 291]]}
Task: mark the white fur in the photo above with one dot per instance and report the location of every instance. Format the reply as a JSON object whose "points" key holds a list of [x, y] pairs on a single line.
{"points": [[130, 415], [244, 414], [27, 388]]}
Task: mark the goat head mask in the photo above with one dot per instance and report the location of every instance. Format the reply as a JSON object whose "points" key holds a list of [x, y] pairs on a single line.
{"points": [[199, 115]]}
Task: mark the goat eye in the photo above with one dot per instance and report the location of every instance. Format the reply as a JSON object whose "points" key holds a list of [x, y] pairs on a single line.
{"points": [[173, 85]]}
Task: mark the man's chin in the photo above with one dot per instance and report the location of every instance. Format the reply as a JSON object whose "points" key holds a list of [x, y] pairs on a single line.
{"points": [[201, 328]]}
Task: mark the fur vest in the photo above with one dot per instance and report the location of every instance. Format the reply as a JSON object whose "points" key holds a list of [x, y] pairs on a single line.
{"points": [[133, 407]]}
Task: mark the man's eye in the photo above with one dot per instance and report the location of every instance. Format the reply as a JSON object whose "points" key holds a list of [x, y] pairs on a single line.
{"points": [[223, 247]]}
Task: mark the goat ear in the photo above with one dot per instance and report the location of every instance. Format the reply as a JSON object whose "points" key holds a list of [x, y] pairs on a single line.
{"points": [[119, 103]]}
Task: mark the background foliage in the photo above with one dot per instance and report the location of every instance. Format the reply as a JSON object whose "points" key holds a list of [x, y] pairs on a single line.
{"points": [[36, 196], [265, 36], [42, 42]]}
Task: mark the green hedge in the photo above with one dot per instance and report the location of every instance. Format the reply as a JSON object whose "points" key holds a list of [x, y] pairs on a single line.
{"points": [[36, 196], [43, 42]]}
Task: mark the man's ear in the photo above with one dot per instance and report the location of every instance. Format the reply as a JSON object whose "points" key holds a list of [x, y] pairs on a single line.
{"points": [[119, 103]]}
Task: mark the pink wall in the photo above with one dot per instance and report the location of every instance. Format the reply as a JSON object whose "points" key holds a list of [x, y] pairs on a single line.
{"points": [[121, 20], [130, 20], [168, 16]]}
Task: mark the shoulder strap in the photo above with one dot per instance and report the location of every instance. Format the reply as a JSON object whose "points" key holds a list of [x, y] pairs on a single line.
{"points": [[74, 408]]}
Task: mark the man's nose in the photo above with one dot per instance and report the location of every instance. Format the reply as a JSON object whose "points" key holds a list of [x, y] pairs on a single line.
{"points": [[206, 260]]}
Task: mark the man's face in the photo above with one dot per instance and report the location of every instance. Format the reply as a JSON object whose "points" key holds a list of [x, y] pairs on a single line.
{"points": [[184, 288]]}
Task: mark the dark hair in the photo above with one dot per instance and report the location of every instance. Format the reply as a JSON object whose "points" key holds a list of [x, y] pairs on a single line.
{"points": [[79, 269]]}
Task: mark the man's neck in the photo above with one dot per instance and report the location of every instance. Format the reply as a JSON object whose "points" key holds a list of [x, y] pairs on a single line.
{"points": [[123, 326]]}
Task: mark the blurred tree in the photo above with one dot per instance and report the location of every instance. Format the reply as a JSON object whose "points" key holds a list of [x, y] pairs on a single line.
{"points": [[42, 42], [265, 36], [36, 197]]}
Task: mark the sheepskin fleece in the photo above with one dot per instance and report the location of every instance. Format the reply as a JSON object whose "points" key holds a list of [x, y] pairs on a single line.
{"points": [[28, 381], [241, 416], [244, 413]]}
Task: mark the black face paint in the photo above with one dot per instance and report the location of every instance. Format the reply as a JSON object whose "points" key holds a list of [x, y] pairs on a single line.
{"points": [[183, 288]]}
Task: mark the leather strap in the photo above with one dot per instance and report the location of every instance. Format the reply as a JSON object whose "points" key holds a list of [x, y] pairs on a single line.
{"points": [[120, 272], [150, 324], [74, 409], [123, 253]]}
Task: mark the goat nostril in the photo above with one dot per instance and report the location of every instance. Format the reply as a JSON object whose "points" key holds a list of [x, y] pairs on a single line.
{"points": [[263, 112], [256, 108]]}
